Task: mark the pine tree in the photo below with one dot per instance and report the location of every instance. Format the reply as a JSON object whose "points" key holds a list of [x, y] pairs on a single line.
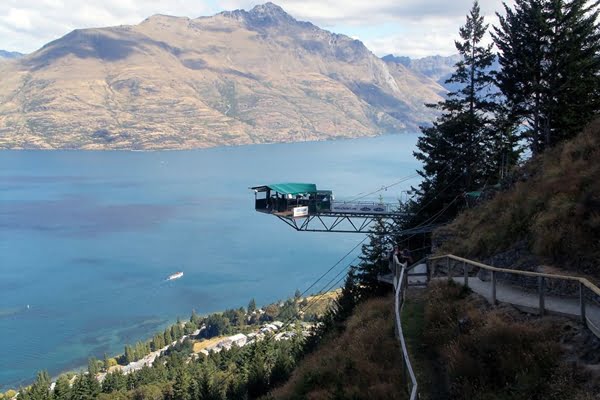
{"points": [[93, 366], [129, 354], [113, 382], [455, 148], [40, 390], [373, 262], [181, 387], [550, 77], [251, 306], [85, 387], [349, 297], [62, 389], [168, 337]]}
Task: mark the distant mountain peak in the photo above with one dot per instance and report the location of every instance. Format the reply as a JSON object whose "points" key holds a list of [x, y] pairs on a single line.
{"points": [[262, 15], [10, 54], [269, 9]]}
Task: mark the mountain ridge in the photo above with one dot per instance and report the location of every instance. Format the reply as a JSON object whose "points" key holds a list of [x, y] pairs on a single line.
{"points": [[9, 55], [237, 77]]}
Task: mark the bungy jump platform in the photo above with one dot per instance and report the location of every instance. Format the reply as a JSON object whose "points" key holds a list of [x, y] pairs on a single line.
{"points": [[305, 208]]}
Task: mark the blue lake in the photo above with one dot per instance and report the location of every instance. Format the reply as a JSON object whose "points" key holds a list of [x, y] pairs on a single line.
{"points": [[88, 238]]}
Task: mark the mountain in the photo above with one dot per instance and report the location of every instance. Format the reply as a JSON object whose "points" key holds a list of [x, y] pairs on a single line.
{"points": [[237, 77], [6, 55], [438, 68]]}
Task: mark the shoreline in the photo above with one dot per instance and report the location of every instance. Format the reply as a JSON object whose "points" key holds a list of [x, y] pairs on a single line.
{"points": [[224, 342]]}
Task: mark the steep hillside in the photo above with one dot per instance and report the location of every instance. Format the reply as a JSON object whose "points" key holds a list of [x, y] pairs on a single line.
{"points": [[551, 212], [437, 68], [234, 78], [361, 363], [9, 55]]}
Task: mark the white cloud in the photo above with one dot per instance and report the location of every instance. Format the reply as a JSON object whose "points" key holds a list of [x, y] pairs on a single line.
{"points": [[26, 25], [412, 27]]}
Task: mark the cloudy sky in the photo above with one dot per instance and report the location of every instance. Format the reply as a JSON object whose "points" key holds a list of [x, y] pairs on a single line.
{"points": [[415, 28]]}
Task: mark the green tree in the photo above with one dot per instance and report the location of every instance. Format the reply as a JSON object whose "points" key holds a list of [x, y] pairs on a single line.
{"points": [[40, 390], [216, 325], [289, 311], [168, 337], [113, 382], [62, 389], [282, 368], [374, 261], [148, 392], [85, 387], [350, 296], [455, 149], [129, 354], [181, 386], [251, 306], [93, 368], [189, 328], [550, 77]]}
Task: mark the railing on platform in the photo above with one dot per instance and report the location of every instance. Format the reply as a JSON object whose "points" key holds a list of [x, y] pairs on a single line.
{"points": [[579, 287], [400, 284]]}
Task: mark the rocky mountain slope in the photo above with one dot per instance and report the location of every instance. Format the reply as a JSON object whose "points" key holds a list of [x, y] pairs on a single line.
{"points": [[237, 77], [438, 68], [8, 55]]}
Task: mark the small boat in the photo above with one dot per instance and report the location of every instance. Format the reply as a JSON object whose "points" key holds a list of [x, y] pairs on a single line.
{"points": [[174, 276]]}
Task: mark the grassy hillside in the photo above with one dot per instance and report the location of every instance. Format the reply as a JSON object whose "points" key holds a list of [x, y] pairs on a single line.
{"points": [[363, 363], [553, 208]]}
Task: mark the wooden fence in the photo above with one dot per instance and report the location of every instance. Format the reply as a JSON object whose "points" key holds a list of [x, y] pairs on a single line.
{"points": [[585, 287]]}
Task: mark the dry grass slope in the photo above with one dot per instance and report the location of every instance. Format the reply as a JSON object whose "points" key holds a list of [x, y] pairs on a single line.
{"points": [[363, 363]]}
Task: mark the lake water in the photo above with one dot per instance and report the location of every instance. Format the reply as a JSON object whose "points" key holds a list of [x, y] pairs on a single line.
{"points": [[88, 238]]}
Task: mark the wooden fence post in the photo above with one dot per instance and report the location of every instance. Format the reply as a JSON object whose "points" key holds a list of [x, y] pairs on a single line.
{"points": [[541, 288], [494, 287], [448, 272], [466, 272], [582, 303]]}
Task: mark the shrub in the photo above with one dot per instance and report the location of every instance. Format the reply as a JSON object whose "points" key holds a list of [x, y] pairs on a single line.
{"points": [[493, 353]]}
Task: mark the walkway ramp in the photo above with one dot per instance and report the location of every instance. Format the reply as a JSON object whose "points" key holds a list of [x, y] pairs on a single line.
{"points": [[576, 297]]}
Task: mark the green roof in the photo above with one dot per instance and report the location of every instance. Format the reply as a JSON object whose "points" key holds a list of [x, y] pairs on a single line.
{"points": [[289, 188]]}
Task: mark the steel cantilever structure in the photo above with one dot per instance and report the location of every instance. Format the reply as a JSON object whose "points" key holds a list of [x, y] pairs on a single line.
{"points": [[347, 223]]}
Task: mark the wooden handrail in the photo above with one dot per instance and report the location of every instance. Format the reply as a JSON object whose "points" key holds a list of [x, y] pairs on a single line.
{"points": [[583, 281]]}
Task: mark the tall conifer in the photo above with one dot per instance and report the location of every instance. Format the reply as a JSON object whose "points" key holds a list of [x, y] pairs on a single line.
{"points": [[549, 51], [454, 150]]}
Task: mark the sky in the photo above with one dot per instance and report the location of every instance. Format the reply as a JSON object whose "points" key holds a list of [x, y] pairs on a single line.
{"points": [[415, 28]]}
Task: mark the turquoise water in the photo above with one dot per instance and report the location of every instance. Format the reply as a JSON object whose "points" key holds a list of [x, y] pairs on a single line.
{"points": [[87, 239]]}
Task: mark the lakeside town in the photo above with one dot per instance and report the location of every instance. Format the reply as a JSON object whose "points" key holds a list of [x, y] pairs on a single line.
{"points": [[250, 326]]}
